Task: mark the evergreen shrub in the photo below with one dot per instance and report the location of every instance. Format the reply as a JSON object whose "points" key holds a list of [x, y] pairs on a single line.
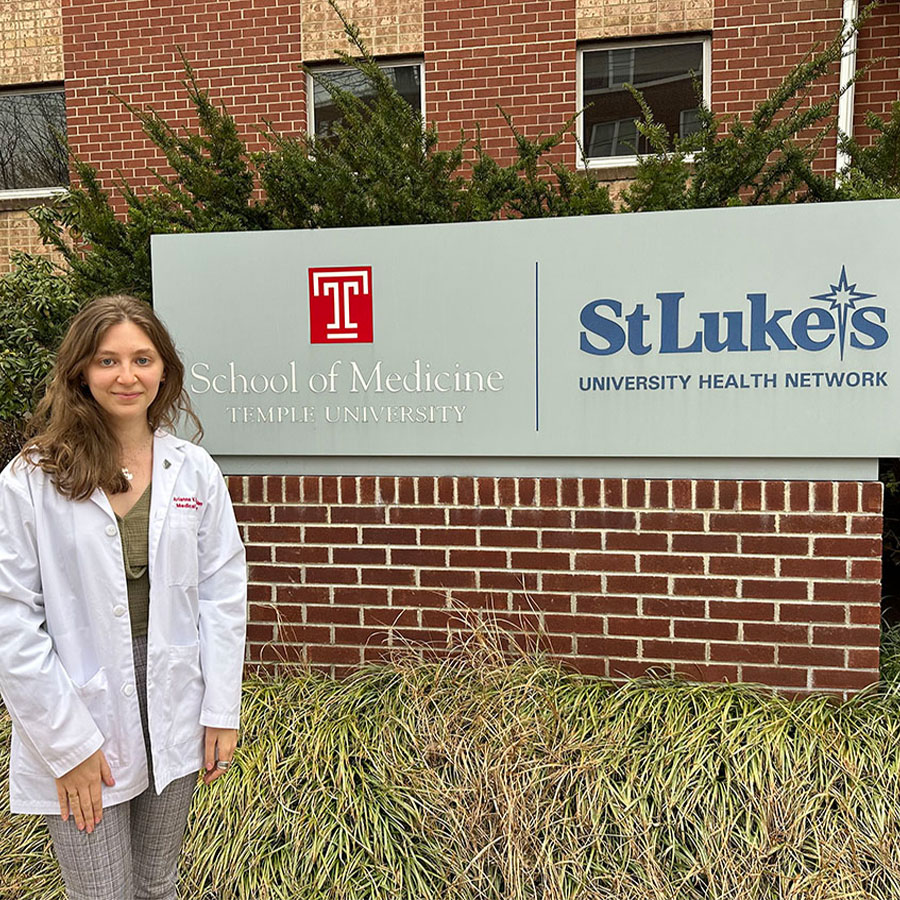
{"points": [[36, 303]]}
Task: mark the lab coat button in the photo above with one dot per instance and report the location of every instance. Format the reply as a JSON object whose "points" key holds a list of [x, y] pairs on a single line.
{"points": [[128, 690], [111, 530], [119, 610]]}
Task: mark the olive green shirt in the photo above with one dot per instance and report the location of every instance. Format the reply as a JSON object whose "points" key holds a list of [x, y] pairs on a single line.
{"points": [[134, 527]]}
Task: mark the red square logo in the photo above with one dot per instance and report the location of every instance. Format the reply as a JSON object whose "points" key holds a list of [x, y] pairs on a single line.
{"points": [[340, 305]]}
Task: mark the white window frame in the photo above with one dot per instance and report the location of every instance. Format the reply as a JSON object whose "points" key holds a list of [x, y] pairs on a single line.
{"points": [[383, 63], [43, 193], [609, 162]]}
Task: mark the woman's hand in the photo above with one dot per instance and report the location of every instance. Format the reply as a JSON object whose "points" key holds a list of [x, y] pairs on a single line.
{"points": [[80, 791], [220, 744]]}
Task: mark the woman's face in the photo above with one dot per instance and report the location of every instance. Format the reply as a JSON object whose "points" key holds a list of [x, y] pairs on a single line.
{"points": [[125, 373]]}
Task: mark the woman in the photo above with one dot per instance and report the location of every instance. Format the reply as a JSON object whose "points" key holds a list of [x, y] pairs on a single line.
{"points": [[122, 608]]}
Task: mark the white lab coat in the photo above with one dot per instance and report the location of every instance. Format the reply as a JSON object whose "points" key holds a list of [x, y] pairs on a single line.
{"points": [[66, 668]]}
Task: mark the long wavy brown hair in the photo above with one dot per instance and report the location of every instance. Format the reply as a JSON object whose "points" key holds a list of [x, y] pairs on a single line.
{"points": [[69, 436]]}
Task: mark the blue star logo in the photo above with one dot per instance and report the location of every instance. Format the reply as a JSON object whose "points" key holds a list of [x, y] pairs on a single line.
{"points": [[842, 297]]}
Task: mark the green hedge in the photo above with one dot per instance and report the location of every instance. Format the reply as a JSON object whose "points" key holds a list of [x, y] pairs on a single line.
{"points": [[479, 778], [36, 303]]}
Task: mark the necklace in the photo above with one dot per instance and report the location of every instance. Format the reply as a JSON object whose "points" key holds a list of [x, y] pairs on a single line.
{"points": [[136, 456]]}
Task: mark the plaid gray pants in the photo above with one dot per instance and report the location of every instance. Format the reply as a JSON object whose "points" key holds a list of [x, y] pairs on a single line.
{"points": [[133, 853]]}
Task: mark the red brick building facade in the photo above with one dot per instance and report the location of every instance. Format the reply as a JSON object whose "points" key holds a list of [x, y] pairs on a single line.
{"points": [[772, 581], [521, 56]]}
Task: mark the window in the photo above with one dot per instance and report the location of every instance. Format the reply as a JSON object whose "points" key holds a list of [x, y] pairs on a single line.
{"points": [[664, 72], [406, 77], [32, 141]]}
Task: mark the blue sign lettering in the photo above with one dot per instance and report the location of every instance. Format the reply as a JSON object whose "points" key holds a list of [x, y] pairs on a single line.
{"points": [[812, 328]]}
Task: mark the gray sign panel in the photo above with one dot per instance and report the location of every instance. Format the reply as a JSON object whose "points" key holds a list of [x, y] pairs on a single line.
{"points": [[764, 332]]}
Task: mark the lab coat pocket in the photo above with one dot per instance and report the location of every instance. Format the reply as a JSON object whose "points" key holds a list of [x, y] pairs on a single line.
{"points": [[185, 694], [183, 546], [94, 693]]}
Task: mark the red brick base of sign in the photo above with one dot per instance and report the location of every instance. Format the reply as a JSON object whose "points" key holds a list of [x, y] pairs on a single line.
{"points": [[759, 581]]}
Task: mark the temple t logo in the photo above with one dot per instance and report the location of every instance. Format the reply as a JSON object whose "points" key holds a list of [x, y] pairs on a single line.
{"points": [[340, 305]]}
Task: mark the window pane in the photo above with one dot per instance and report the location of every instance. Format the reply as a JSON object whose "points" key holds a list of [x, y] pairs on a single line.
{"points": [[406, 79], [654, 64], [665, 74], [690, 121], [613, 138], [621, 67], [32, 128]]}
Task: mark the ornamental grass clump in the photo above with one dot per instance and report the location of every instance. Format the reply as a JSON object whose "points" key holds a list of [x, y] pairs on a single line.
{"points": [[480, 777]]}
